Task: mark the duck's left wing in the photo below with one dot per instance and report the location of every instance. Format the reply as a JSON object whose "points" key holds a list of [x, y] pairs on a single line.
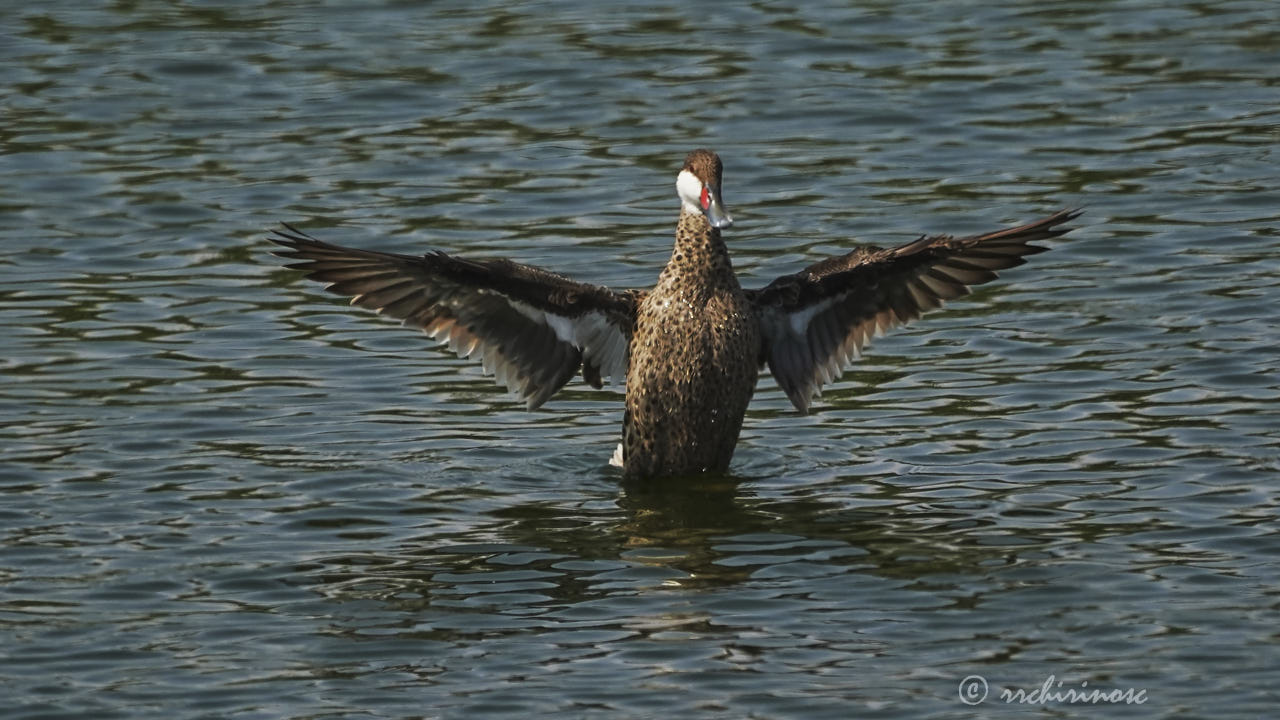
{"points": [[816, 321], [531, 328]]}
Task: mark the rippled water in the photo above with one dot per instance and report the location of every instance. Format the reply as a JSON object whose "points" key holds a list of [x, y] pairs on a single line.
{"points": [[226, 495]]}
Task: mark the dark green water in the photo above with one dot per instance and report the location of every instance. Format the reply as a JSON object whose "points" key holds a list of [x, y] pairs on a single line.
{"points": [[226, 495]]}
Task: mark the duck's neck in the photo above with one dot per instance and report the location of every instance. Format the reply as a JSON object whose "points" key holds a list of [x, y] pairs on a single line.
{"points": [[699, 255]]}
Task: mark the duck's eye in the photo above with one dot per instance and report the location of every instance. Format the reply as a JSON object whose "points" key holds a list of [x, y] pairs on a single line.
{"points": [[706, 198]]}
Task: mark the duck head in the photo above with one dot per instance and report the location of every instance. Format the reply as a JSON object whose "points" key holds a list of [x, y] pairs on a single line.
{"points": [[698, 186]]}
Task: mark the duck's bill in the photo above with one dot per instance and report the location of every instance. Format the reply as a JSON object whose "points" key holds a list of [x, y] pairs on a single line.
{"points": [[715, 212]]}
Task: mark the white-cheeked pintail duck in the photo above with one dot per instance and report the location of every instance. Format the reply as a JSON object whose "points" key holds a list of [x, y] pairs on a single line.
{"points": [[690, 349]]}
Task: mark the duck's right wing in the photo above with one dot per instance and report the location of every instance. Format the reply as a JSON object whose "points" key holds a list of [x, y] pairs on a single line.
{"points": [[531, 328], [816, 321]]}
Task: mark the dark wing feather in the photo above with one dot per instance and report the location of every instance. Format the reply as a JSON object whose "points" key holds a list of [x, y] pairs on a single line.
{"points": [[816, 321], [531, 328]]}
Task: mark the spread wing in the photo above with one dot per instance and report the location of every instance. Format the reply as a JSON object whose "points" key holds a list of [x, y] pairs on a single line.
{"points": [[531, 328], [816, 321]]}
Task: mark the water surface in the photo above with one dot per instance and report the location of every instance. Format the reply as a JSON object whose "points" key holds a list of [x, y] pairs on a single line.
{"points": [[225, 494]]}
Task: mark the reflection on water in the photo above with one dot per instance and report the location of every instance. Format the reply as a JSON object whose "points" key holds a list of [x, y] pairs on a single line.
{"points": [[225, 494]]}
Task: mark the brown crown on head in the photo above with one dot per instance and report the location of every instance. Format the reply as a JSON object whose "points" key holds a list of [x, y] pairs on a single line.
{"points": [[705, 165]]}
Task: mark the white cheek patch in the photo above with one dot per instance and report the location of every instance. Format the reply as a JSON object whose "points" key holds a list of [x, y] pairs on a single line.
{"points": [[689, 188]]}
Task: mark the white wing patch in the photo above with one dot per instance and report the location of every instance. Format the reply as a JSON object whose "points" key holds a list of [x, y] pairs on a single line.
{"points": [[800, 320], [601, 342], [803, 359]]}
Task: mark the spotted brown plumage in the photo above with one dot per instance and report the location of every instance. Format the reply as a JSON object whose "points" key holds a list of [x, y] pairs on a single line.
{"points": [[691, 349], [694, 352]]}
